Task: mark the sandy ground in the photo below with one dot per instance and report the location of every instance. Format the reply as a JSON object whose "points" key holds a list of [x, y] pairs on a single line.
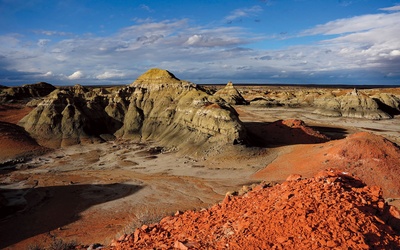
{"points": [[96, 192]]}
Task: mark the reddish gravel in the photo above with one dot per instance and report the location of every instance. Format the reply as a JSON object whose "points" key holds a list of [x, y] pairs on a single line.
{"points": [[331, 210], [371, 157]]}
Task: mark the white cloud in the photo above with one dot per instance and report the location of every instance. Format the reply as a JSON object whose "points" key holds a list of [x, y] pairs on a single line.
{"points": [[113, 74], [43, 42], [393, 8], [76, 75], [245, 12], [368, 43], [355, 24], [395, 52]]}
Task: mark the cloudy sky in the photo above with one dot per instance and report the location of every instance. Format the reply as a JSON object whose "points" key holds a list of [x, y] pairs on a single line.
{"points": [[210, 41]]}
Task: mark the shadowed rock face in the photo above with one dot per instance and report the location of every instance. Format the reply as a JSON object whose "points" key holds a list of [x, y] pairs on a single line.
{"points": [[157, 106], [353, 104], [26, 91]]}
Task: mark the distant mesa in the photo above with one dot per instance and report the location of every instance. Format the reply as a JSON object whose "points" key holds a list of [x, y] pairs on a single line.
{"points": [[231, 95], [156, 106]]}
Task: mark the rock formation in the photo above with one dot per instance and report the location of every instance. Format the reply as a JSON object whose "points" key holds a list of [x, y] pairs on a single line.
{"points": [[332, 210], [354, 104], [157, 106], [26, 91], [231, 95]]}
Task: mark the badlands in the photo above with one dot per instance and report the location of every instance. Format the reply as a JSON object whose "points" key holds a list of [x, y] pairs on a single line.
{"points": [[253, 166]]}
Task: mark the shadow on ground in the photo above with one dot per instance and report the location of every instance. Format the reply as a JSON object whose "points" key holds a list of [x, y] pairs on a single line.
{"points": [[269, 135], [39, 210]]}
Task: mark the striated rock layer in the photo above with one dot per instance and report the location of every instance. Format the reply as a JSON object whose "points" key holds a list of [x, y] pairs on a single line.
{"points": [[231, 95], [157, 106], [331, 210], [354, 104]]}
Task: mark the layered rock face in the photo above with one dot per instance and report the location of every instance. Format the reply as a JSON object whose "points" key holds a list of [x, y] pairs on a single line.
{"points": [[231, 95], [157, 106], [367, 103], [353, 104]]}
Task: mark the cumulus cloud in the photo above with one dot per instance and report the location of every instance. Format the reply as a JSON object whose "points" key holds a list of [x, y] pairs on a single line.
{"points": [[112, 74], [76, 75], [364, 45]]}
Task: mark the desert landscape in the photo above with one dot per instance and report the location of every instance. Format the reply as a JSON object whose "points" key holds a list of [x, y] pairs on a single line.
{"points": [[169, 164]]}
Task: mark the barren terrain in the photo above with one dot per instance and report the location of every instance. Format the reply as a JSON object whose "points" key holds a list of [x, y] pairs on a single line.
{"points": [[95, 192]]}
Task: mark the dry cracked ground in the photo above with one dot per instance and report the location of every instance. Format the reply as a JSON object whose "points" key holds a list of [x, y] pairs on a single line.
{"points": [[96, 192]]}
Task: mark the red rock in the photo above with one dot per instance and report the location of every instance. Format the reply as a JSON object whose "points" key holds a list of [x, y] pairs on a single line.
{"points": [[293, 177], [331, 215]]}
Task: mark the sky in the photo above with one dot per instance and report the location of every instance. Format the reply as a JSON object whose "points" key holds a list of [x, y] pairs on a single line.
{"points": [[95, 42]]}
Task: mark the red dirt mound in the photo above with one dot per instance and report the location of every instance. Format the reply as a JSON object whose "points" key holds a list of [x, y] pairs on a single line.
{"points": [[334, 209], [286, 132], [371, 157], [16, 142]]}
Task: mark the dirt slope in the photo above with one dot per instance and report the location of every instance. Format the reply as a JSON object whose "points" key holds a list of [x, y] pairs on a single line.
{"points": [[371, 157], [333, 209]]}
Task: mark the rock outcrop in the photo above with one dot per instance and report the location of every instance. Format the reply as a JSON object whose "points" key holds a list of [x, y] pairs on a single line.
{"points": [[332, 210], [26, 91], [231, 95], [157, 106], [354, 104]]}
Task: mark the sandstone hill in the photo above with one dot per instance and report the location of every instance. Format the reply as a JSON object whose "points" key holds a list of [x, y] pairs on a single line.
{"points": [[157, 106], [370, 104], [354, 104], [26, 91], [231, 95], [332, 210]]}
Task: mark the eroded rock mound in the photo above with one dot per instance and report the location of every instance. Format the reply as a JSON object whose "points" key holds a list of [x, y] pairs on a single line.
{"points": [[354, 104], [157, 106], [15, 142], [26, 91], [231, 95], [331, 210]]}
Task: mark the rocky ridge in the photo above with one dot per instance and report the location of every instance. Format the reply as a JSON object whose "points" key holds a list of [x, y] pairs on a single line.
{"points": [[364, 103], [332, 210], [157, 106], [40, 89], [354, 104]]}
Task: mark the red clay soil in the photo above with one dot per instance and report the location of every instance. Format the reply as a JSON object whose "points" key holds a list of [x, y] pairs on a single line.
{"points": [[371, 157], [13, 113], [14, 140], [331, 210]]}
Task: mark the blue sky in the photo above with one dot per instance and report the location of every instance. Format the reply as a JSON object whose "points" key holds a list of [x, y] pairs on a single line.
{"points": [[211, 41]]}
